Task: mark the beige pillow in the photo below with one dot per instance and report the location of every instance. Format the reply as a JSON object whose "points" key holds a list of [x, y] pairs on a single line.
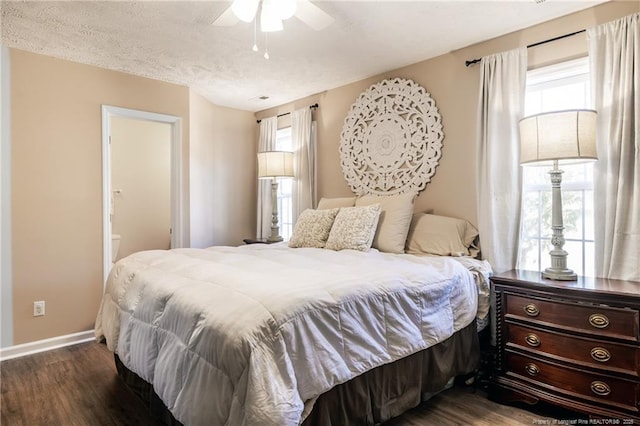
{"points": [[312, 228], [395, 219], [332, 203], [354, 228], [441, 235]]}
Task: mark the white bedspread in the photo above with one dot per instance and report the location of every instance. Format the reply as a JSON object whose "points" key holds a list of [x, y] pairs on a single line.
{"points": [[251, 335]]}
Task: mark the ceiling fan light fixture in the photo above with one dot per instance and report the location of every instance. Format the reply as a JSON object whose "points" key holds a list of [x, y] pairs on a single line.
{"points": [[285, 8], [245, 10], [269, 19]]}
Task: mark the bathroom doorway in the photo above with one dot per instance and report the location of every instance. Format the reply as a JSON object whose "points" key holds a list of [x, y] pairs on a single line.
{"points": [[141, 188]]}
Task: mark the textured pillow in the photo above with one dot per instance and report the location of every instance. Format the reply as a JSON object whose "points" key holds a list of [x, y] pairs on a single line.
{"points": [[441, 235], [354, 228], [332, 203], [395, 218], [312, 228]]}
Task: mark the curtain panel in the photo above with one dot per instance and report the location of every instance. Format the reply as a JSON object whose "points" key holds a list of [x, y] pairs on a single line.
{"points": [[266, 142], [614, 51], [304, 161], [499, 189]]}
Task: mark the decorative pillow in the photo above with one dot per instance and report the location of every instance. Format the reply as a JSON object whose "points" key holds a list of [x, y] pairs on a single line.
{"points": [[441, 235], [332, 203], [312, 228], [395, 219], [354, 228]]}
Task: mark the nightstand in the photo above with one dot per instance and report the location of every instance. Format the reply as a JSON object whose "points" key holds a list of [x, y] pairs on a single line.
{"points": [[575, 344], [257, 241]]}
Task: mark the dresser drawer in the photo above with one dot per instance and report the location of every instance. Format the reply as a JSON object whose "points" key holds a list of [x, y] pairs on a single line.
{"points": [[603, 389], [593, 319], [586, 352]]}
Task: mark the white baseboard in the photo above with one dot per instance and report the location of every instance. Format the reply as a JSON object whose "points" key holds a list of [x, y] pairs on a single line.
{"points": [[46, 345]]}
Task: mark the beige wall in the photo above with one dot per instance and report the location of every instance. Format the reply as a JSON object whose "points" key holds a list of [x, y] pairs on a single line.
{"points": [[223, 177], [57, 184], [455, 89], [141, 178]]}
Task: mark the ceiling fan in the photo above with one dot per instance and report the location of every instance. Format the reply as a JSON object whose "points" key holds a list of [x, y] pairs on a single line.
{"points": [[271, 13]]}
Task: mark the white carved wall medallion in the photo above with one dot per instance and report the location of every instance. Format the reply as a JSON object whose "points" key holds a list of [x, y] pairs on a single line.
{"points": [[391, 140]]}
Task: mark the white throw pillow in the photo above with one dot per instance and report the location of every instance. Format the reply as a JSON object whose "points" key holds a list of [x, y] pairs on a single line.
{"points": [[312, 228], [395, 218], [354, 228]]}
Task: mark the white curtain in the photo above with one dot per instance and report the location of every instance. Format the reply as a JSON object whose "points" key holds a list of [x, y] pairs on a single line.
{"points": [[304, 161], [502, 90], [614, 50], [267, 142]]}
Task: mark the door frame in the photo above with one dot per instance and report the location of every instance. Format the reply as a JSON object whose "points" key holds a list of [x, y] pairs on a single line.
{"points": [[177, 219]]}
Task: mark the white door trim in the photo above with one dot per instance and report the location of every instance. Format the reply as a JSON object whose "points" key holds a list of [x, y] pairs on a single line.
{"points": [[177, 234], [6, 275]]}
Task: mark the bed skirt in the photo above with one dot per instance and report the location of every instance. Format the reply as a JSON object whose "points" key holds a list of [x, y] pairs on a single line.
{"points": [[369, 399]]}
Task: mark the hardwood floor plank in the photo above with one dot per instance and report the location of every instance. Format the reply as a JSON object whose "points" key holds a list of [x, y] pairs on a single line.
{"points": [[79, 385], [75, 385]]}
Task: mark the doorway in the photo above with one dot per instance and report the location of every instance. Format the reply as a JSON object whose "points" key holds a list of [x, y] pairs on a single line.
{"points": [[141, 183]]}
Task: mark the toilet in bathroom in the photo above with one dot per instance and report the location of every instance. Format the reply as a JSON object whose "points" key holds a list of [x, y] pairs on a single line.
{"points": [[115, 246]]}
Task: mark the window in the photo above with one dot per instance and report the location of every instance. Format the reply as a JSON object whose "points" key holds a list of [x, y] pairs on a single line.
{"points": [[553, 88], [285, 187]]}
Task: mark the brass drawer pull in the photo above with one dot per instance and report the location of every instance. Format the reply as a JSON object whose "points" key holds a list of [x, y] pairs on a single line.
{"points": [[533, 370], [599, 321], [533, 340], [531, 310], [600, 354], [600, 388]]}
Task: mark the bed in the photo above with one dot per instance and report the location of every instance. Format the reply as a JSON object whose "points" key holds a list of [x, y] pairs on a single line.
{"points": [[366, 311], [274, 335]]}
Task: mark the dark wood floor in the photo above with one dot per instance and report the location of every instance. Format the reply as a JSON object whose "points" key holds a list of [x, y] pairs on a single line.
{"points": [[78, 385]]}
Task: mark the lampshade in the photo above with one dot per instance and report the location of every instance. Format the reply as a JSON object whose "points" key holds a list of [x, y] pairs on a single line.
{"points": [[275, 164], [559, 135]]}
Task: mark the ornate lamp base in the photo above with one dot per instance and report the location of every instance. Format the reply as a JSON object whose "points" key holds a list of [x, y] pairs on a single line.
{"points": [[560, 274], [558, 269], [272, 239], [275, 229]]}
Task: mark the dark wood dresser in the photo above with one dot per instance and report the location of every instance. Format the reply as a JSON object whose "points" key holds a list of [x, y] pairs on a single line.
{"points": [[575, 344]]}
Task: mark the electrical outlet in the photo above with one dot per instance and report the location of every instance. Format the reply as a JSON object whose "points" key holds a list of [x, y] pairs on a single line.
{"points": [[38, 308]]}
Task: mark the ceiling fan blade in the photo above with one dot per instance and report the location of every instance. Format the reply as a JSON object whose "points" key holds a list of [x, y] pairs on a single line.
{"points": [[227, 19], [312, 15]]}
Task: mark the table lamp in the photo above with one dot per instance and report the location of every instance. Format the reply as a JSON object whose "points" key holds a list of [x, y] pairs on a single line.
{"points": [[548, 138], [275, 164]]}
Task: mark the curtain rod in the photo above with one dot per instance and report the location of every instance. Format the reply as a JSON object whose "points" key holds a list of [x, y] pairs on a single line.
{"points": [[314, 106], [475, 61]]}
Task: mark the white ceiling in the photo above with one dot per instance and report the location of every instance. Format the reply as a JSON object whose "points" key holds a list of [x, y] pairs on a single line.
{"points": [[175, 41]]}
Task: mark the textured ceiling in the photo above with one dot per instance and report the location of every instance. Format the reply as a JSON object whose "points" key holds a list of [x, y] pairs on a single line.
{"points": [[175, 41]]}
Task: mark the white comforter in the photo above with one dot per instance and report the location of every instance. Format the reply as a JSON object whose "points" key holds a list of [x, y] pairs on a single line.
{"points": [[252, 335]]}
